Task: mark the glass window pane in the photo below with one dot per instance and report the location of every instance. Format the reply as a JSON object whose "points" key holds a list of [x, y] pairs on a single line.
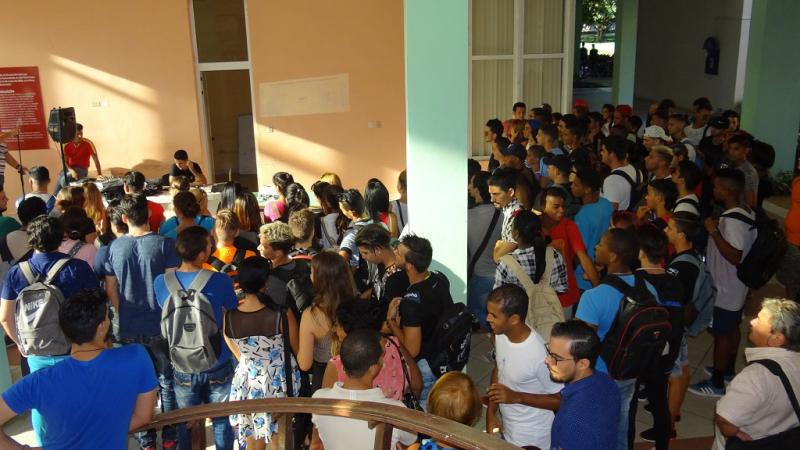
{"points": [[544, 26], [492, 90], [220, 30], [492, 27], [541, 82]]}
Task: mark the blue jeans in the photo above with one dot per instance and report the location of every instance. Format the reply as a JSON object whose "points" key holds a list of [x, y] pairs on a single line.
{"points": [[158, 350], [211, 386], [478, 290], [626, 388], [428, 378], [35, 363]]}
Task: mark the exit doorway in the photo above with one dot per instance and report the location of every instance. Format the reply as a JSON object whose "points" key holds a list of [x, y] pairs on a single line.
{"points": [[223, 68]]}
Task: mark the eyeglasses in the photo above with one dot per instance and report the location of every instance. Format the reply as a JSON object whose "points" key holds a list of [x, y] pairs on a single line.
{"points": [[556, 359]]}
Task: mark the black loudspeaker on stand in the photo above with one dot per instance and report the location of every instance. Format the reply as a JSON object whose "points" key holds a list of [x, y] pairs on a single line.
{"points": [[61, 127]]}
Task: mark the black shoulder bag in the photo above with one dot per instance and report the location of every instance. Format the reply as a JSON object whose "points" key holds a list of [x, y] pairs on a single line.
{"points": [[484, 242]]}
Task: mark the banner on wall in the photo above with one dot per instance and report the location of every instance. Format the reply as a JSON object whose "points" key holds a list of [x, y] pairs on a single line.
{"points": [[21, 107]]}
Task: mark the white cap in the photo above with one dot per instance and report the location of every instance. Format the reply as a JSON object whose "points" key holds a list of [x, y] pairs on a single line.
{"points": [[656, 132]]}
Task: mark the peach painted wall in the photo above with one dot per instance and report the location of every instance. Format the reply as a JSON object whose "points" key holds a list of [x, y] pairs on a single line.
{"points": [[307, 39], [136, 56]]}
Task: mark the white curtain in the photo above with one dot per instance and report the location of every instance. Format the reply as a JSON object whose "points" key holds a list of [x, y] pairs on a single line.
{"points": [[492, 97]]}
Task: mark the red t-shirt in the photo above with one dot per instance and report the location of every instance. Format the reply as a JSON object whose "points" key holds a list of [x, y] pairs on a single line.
{"points": [[567, 239], [156, 215], [78, 155]]}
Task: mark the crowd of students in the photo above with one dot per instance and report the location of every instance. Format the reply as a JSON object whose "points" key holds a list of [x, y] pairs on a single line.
{"points": [[599, 245], [659, 235]]}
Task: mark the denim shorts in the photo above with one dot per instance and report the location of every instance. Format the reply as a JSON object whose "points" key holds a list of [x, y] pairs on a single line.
{"points": [[682, 360]]}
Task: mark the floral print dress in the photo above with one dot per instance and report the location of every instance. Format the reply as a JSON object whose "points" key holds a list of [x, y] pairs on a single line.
{"points": [[260, 374]]}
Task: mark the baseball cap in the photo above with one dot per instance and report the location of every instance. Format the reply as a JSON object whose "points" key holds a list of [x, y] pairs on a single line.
{"points": [[656, 132], [517, 150], [39, 173], [719, 122], [561, 162]]}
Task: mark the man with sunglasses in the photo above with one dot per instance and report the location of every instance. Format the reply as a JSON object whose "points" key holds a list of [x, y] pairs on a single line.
{"points": [[588, 413]]}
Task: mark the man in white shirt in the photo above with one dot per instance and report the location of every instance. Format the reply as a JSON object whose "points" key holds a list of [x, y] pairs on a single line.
{"points": [[521, 384], [702, 112], [756, 404], [676, 126], [362, 358], [39, 178], [730, 239], [618, 186]]}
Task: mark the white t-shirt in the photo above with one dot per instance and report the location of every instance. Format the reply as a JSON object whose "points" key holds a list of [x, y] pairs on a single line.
{"points": [[44, 196], [17, 241], [694, 134], [756, 400], [521, 368], [616, 188], [731, 292], [687, 206], [691, 153], [341, 433]]}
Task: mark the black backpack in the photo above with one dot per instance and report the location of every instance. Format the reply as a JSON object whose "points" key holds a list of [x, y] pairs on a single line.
{"points": [[638, 189], [766, 253], [453, 332], [640, 331]]}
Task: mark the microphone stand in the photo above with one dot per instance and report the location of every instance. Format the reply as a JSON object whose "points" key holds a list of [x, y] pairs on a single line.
{"points": [[19, 161]]}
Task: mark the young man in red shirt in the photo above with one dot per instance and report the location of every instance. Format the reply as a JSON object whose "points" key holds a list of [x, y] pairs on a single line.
{"points": [[77, 153], [566, 239]]}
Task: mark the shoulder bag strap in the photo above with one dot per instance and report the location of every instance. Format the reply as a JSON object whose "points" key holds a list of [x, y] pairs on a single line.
{"points": [[518, 271], [627, 177], [406, 376], [200, 280], [776, 370], [238, 257], [617, 283], [172, 281], [327, 234], [215, 262], [740, 217], [76, 248], [287, 352], [400, 212], [476, 256], [51, 274], [27, 272]]}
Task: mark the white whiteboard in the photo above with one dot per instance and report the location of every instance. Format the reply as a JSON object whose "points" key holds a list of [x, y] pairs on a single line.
{"points": [[329, 94]]}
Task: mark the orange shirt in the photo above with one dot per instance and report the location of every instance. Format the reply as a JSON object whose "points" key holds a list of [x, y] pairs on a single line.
{"points": [[226, 254], [78, 155]]}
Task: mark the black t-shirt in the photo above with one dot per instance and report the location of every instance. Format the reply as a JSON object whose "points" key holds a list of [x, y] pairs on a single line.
{"points": [[175, 171], [713, 153], [669, 292], [422, 305], [686, 273]]}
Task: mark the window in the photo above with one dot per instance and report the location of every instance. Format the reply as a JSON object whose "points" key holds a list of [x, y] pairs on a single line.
{"points": [[521, 50]]}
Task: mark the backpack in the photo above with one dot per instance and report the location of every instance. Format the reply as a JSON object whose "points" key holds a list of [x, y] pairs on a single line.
{"points": [[189, 325], [544, 308], [698, 318], [766, 253], [36, 316], [231, 268], [638, 189], [638, 336], [453, 332]]}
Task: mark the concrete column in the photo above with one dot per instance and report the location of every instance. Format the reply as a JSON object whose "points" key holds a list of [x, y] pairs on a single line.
{"points": [[771, 101], [437, 93], [625, 51]]}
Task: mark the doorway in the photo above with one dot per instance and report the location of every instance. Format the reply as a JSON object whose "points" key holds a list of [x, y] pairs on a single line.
{"points": [[224, 75]]}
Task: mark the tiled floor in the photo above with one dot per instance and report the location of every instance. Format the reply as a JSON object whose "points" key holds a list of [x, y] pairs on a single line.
{"points": [[696, 415]]}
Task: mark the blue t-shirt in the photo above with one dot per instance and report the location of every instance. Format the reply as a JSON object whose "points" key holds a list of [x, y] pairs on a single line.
{"points": [[588, 416], [220, 293], [170, 226], [593, 220], [136, 262], [75, 276], [599, 306], [87, 404], [100, 259]]}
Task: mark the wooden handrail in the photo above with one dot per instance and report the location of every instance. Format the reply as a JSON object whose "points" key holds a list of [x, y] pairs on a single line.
{"points": [[380, 416]]}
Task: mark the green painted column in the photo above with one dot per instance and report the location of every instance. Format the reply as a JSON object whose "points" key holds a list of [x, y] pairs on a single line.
{"points": [[625, 51], [437, 91], [771, 102]]}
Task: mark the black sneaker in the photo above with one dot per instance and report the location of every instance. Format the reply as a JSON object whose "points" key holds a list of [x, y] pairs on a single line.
{"points": [[650, 435]]}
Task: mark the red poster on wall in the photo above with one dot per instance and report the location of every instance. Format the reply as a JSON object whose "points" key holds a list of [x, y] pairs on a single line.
{"points": [[21, 107]]}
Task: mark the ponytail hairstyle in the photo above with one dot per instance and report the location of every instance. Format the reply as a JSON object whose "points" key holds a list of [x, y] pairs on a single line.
{"points": [[529, 234]]}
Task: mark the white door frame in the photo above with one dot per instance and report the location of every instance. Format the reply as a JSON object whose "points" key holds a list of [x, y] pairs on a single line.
{"points": [[201, 97]]}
